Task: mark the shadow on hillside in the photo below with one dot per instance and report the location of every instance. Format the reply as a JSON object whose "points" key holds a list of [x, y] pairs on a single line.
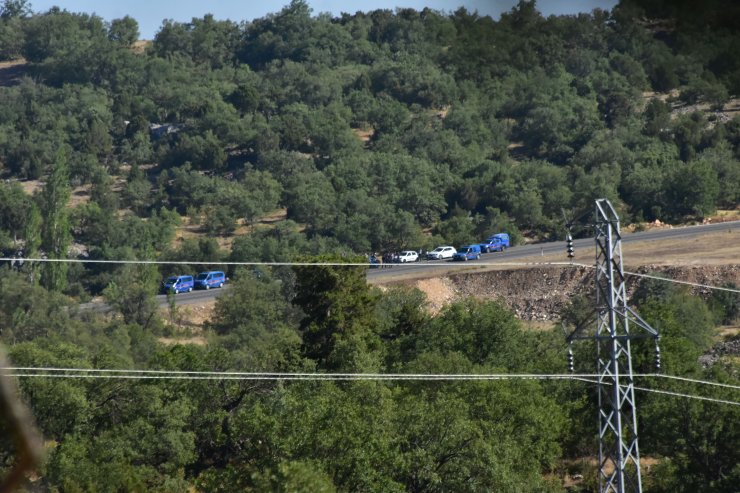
{"points": [[12, 72]]}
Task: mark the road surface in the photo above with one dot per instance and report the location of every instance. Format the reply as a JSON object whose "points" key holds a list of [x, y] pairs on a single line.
{"points": [[425, 268]]}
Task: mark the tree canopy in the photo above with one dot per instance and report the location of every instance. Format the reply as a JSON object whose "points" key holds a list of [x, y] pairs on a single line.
{"points": [[299, 136]]}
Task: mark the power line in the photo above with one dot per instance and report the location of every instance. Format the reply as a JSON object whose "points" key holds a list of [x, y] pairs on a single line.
{"points": [[133, 374], [668, 392], [359, 375], [688, 396], [267, 377], [240, 376], [707, 286], [318, 375], [351, 264], [288, 264], [127, 374], [693, 380]]}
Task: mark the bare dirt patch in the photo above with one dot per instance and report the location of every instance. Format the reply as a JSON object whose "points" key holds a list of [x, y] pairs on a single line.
{"points": [[140, 46], [439, 292], [31, 186], [191, 317], [275, 216], [364, 134], [729, 110], [187, 323], [171, 341], [710, 249], [191, 228], [80, 195]]}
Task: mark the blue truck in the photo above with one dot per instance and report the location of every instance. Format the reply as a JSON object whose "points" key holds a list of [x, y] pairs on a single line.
{"points": [[496, 243], [467, 252]]}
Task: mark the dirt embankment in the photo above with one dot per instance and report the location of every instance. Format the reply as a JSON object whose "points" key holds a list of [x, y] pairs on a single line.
{"points": [[540, 294]]}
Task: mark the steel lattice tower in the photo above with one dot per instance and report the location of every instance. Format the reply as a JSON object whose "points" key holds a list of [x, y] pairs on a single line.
{"points": [[619, 456]]}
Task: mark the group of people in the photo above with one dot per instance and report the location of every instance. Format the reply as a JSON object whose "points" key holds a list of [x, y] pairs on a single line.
{"points": [[377, 259], [386, 258]]}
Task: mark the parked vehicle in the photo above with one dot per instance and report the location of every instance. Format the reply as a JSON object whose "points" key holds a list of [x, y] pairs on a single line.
{"points": [[496, 243], [178, 284], [211, 279], [467, 252], [408, 256], [441, 252]]}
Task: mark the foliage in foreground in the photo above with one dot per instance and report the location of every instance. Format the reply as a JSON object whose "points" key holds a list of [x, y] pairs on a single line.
{"points": [[170, 435]]}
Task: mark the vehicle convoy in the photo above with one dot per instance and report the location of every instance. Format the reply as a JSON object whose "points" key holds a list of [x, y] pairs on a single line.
{"points": [[178, 284], [496, 243], [441, 252], [210, 279], [408, 256], [467, 252]]}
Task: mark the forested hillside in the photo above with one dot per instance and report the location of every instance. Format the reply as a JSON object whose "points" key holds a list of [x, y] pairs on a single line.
{"points": [[302, 136], [374, 131]]}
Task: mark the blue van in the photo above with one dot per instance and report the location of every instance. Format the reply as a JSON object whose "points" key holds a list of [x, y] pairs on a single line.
{"points": [[178, 284], [210, 279], [468, 252], [496, 243]]}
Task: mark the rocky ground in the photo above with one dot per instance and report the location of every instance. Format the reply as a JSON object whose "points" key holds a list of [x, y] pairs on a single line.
{"points": [[540, 294]]}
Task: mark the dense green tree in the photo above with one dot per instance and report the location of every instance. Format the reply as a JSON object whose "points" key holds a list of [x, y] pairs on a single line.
{"points": [[15, 8], [205, 40], [338, 329], [458, 229], [137, 194], [55, 230], [725, 304], [15, 207], [694, 189], [657, 117], [727, 168], [12, 38], [131, 293], [124, 31], [202, 152], [27, 311]]}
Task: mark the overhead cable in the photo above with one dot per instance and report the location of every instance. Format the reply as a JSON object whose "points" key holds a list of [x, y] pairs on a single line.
{"points": [[235, 375], [285, 264], [668, 392], [706, 286], [29, 371], [98, 373], [350, 264], [688, 396], [693, 380]]}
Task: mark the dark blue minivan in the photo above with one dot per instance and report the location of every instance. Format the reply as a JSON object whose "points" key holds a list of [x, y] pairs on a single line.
{"points": [[467, 252], [210, 279], [178, 284]]}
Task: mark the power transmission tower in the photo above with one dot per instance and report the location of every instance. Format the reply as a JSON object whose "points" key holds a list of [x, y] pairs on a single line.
{"points": [[619, 456]]}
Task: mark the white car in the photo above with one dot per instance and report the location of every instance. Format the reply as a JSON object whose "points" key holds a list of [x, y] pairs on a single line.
{"points": [[408, 256], [441, 252]]}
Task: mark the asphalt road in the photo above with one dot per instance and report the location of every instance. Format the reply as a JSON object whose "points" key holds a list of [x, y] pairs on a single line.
{"points": [[584, 249], [511, 255]]}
